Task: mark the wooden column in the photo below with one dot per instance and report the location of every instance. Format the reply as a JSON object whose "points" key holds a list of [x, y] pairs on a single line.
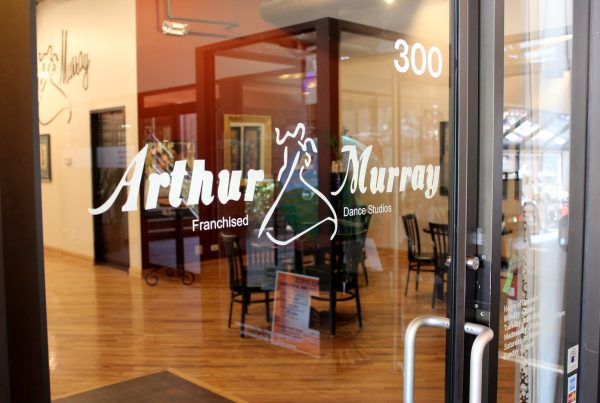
{"points": [[327, 114]]}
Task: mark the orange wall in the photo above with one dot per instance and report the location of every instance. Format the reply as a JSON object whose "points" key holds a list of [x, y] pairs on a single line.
{"points": [[165, 61]]}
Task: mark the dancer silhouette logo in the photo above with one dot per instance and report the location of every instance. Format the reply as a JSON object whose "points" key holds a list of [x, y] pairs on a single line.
{"points": [[307, 148]]}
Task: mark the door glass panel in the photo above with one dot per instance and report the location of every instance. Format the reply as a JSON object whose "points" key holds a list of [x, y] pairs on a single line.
{"points": [[319, 216], [537, 104], [111, 229], [294, 156]]}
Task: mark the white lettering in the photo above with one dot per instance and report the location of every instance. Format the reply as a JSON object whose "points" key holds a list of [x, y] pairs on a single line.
{"points": [[177, 176], [433, 178], [418, 177], [377, 178], [229, 189], [155, 182], [254, 176], [133, 184], [393, 172], [421, 177], [406, 171], [220, 223], [359, 169], [201, 179]]}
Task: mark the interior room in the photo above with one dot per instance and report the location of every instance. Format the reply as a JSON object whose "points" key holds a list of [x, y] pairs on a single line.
{"points": [[318, 98]]}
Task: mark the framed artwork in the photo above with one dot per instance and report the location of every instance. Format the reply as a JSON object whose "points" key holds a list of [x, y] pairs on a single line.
{"points": [[247, 143], [161, 158], [45, 163]]}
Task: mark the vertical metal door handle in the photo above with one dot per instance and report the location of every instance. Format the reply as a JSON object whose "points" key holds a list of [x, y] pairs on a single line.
{"points": [[484, 336], [409, 350]]}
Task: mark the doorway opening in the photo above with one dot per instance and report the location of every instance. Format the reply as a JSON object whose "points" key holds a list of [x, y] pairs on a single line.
{"points": [[111, 231]]}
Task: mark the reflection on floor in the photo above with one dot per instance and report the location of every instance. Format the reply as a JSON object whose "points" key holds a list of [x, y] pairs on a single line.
{"points": [[105, 327]]}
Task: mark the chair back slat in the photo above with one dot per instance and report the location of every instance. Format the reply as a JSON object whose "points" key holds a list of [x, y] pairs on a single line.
{"points": [[353, 252], [233, 251], [356, 224], [439, 237], [411, 227], [365, 228], [347, 251]]}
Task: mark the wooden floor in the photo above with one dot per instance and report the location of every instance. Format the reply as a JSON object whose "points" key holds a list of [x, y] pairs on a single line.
{"points": [[105, 327]]}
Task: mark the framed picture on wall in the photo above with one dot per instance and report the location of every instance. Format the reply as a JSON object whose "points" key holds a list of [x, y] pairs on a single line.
{"points": [[45, 163], [247, 143]]}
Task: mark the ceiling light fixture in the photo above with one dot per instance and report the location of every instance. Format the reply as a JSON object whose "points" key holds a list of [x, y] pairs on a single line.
{"points": [[182, 26], [174, 28]]}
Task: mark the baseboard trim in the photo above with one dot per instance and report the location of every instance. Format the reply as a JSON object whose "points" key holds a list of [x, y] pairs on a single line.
{"points": [[64, 252], [134, 272]]}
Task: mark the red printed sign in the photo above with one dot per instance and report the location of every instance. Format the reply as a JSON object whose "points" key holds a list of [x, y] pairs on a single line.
{"points": [[291, 313]]}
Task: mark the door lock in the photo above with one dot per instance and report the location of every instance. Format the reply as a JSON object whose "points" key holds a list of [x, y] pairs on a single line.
{"points": [[472, 262]]}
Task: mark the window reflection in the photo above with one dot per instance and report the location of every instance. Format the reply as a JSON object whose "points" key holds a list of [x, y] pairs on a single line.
{"points": [[536, 127]]}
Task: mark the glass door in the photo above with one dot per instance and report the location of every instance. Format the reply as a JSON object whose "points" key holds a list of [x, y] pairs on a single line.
{"points": [[535, 347], [347, 115], [331, 128], [527, 286], [521, 282], [466, 323], [304, 174], [338, 200]]}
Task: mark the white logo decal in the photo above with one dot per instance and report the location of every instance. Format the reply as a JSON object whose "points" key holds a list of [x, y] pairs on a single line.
{"points": [[381, 180], [304, 144]]}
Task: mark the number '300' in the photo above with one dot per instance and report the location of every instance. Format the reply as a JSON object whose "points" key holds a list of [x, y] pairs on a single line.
{"points": [[419, 59]]}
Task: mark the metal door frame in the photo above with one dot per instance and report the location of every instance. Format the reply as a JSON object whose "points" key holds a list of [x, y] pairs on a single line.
{"points": [[583, 257], [464, 23], [589, 340], [24, 371]]}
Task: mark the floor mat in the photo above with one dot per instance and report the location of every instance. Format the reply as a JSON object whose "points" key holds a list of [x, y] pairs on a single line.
{"points": [[159, 387]]}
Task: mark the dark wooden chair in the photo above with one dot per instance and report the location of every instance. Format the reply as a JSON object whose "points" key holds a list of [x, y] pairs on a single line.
{"points": [[338, 275], [264, 259], [238, 277], [417, 261], [439, 237], [358, 226], [366, 221]]}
